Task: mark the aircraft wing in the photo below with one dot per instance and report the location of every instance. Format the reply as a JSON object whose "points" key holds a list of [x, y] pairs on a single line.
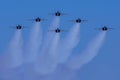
{"points": [[110, 28], [51, 30], [97, 28], [84, 20], [64, 30]]}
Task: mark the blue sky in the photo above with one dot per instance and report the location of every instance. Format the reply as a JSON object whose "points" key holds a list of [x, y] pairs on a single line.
{"points": [[98, 13]]}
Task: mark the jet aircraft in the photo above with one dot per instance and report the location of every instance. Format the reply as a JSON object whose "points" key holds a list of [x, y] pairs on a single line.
{"points": [[58, 13], [18, 27], [57, 30], [104, 28], [78, 20], [36, 19]]}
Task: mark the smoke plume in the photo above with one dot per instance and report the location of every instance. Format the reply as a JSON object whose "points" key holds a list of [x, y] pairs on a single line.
{"points": [[34, 43], [69, 43], [78, 60]]}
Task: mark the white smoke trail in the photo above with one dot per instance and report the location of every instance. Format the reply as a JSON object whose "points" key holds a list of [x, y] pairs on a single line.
{"points": [[88, 54], [69, 43], [53, 51], [32, 51], [49, 60], [45, 63], [34, 42], [12, 58], [13, 54]]}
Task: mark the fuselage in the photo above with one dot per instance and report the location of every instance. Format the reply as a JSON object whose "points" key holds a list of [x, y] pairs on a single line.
{"points": [[18, 27], [78, 20], [57, 13], [104, 28], [57, 30], [38, 19]]}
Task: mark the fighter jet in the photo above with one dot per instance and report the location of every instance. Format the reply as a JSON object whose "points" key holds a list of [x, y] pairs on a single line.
{"points": [[78, 20], [104, 28], [18, 27], [57, 30], [58, 13], [36, 19]]}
